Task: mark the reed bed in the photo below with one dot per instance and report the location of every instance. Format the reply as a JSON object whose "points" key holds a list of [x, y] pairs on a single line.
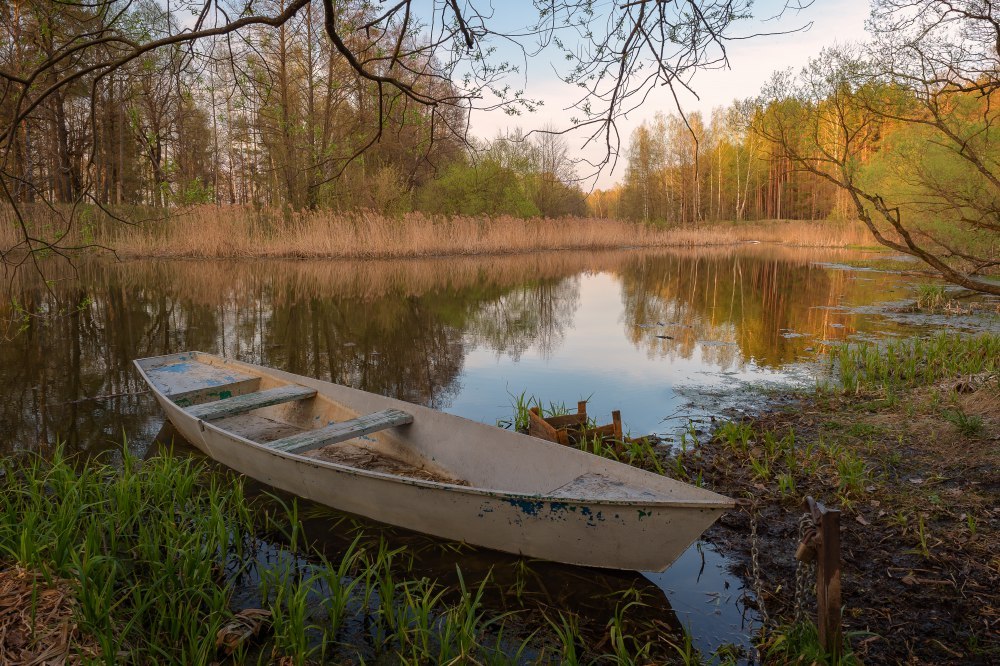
{"points": [[236, 233], [240, 231], [215, 282]]}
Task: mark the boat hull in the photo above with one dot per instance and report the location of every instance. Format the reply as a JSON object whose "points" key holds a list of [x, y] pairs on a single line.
{"points": [[635, 535]]}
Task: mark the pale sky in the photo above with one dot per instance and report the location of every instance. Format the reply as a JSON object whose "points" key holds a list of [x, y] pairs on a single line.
{"points": [[752, 62]]}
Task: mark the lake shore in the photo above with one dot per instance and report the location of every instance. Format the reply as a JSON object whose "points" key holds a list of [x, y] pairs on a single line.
{"points": [[911, 434], [906, 447], [209, 232], [912, 461]]}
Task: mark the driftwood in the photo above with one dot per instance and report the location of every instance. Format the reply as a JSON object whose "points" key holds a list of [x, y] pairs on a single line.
{"points": [[244, 627]]}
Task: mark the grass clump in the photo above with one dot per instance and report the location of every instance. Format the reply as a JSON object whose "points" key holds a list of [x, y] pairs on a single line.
{"points": [[931, 296], [798, 643], [904, 364], [522, 404], [970, 425], [147, 550]]}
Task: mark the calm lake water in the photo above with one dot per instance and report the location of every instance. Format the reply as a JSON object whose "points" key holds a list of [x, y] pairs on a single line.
{"points": [[665, 336]]}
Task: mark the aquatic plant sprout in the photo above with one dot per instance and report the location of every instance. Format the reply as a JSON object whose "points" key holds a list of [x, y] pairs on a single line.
{"points": [[901, 364]]}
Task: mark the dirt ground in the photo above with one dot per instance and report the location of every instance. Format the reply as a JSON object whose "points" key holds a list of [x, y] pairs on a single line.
{"points": [[920, 538]]}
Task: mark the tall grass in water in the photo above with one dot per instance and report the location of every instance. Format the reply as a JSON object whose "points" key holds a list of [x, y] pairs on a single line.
{"points": [[152, 551], [145, 548], [243, 231], [902, 364], [931, 296]]}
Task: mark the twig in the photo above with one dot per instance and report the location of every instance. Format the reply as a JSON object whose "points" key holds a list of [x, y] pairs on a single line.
{"points": [[107, 396]]}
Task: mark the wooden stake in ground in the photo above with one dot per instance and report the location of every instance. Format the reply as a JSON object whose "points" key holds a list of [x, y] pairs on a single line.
{"points": [[825, 546]]}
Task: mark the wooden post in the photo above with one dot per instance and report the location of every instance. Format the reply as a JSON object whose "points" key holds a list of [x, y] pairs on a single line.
{"points": [[616, 420], [827, 544]]}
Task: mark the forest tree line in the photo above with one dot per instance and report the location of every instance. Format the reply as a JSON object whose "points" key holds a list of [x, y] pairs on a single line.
{"points": [[782, 156], [684, 170], [261, 116], [275, 117]]}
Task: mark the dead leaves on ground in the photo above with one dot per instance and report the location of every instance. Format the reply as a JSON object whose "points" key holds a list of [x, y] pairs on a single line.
{"points": [[37, 626]]}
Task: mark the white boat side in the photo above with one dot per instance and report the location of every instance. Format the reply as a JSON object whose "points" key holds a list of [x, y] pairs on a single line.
{"points": [[510, 492]]}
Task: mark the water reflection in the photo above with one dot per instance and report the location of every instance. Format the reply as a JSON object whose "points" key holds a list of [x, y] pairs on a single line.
{"points": [[737, 307], [451, 334]]}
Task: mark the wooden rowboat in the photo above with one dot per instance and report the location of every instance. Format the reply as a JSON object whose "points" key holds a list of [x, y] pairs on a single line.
{"points": [[428, 471]]}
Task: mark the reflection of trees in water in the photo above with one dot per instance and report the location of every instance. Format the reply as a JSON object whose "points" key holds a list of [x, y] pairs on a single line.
{"points": [[404, 347], [398, 328], [537, 313], [738, 298], [87, 351], [393, 338]]}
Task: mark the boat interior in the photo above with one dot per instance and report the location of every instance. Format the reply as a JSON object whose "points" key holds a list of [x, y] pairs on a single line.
{"points": [[275, 411], [288, 417]]}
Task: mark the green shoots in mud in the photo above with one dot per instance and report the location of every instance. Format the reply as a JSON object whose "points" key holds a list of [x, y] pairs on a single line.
{"points": [[903, 364], [786, 485], [736, 436], [968, 425], [799, 644]]}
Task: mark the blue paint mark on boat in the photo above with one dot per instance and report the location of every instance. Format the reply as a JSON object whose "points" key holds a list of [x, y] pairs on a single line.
{"points": [[176, 367], [528, 507]]}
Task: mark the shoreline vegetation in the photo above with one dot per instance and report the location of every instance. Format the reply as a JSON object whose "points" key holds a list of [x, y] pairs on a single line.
{"points": [[212, 232], [903, 440], [168, 560]]}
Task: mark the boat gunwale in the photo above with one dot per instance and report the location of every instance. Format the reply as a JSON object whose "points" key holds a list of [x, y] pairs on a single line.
{"points": [[722, 504]]}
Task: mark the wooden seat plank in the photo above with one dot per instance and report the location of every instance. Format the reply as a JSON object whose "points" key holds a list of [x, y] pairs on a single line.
{"points": [[343, 431], [241, 404]]}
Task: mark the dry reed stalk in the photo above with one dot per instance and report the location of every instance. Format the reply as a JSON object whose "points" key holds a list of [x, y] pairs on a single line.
{"points": [[241, 231], [235, 233]]}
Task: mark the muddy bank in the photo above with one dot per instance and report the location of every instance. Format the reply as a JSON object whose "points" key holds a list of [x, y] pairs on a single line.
{"points": [[916, 474]]}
